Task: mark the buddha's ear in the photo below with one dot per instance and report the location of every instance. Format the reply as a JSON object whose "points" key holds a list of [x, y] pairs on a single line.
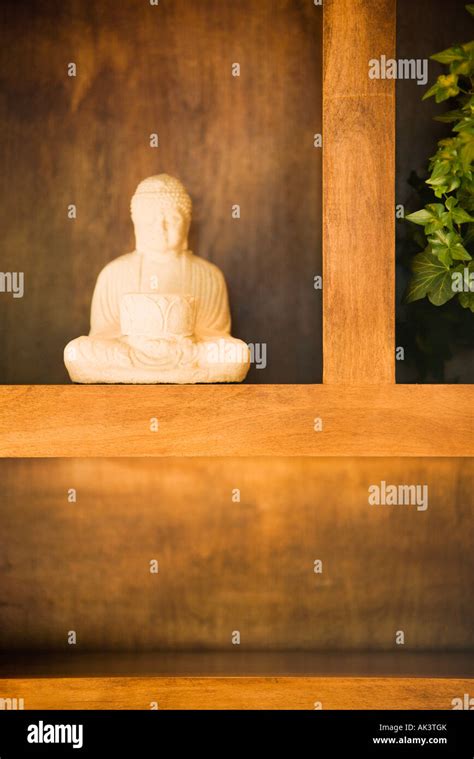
{"points": [[186, 237]]}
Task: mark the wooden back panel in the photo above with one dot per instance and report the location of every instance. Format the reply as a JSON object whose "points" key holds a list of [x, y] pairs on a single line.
{"points": [[227, 565], [85, 140]]}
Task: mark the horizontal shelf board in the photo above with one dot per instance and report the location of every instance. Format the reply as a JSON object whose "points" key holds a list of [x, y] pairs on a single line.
{"points": [[236, 692], [455, 664], [236, 420]]}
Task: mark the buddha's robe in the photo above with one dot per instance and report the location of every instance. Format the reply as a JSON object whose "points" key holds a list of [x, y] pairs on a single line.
{"points": [[210, 355], [182, 273]]}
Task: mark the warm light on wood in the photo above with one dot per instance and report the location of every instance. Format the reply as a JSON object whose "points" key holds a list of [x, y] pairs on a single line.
{"points": [[245, 420], [358, 195], [236, 692]]}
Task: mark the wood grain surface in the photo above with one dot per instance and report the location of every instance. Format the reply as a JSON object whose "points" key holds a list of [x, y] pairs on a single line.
{"points": [[227, 565], [85, 140], [236, 693], [359, 196], [397, 420]]}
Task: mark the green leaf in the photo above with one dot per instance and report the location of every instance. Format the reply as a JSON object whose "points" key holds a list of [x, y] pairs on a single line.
{"points": [[467, 300], [432, 91], [448, 247], [437, 209], [442, 290], [460, 216], [455, 53], [450, 116], [437, 224], [470, 8], [459, 252], [437, 181], [452, 185], [465, 125], [461, 67], [467, 153], [420, 217], [440, 237], [441, 168], [444, 255], [430, 277], [447, 87]]}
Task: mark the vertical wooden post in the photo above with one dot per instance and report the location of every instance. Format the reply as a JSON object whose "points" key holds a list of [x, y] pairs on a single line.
{"points": [[358, 194]]}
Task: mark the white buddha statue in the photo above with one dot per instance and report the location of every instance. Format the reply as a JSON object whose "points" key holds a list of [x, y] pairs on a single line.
{"points": [[159, 314]]}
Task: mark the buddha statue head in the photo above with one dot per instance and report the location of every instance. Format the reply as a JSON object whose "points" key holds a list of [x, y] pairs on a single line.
{"points": [[161, 214]]}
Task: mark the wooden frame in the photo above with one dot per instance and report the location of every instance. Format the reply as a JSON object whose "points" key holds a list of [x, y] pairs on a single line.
{"points": [[358, 195], [363, 411]]}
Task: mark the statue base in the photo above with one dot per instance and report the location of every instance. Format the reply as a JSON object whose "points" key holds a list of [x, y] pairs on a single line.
{"points": [[144, 361]]}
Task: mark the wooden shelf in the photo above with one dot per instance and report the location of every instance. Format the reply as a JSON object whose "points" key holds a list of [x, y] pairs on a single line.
{"points": [[236, 420], [238, 680], [237, 692]]}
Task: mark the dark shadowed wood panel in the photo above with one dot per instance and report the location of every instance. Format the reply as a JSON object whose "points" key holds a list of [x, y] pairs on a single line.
{"points": [[358, 176], [239, 663], [85, 140], [226, 565]]}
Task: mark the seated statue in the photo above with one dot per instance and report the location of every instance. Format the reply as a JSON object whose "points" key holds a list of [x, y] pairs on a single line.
{"points": [[159, 314]]}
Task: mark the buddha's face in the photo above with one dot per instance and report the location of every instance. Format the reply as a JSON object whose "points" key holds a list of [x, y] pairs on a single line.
{"points": [[159, 227]]}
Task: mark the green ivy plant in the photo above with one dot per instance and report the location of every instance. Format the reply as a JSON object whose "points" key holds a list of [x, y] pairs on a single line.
{"points": [[448, 225]]}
